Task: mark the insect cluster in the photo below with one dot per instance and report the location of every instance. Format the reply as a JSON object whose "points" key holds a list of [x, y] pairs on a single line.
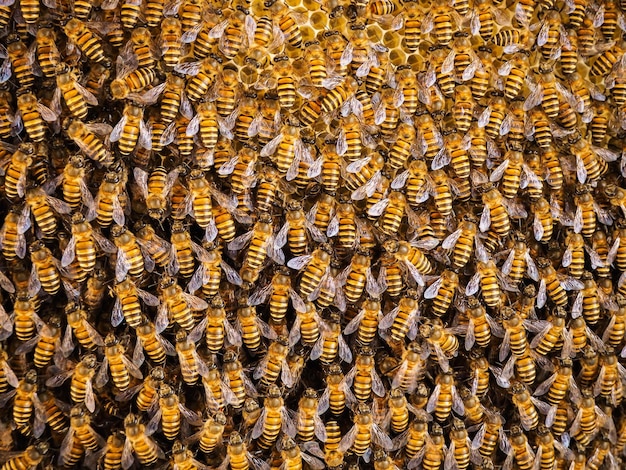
{"points": [[313, 235]]}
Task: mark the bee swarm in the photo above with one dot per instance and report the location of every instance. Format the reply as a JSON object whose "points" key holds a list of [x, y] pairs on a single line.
{"points": [[283, 235]]}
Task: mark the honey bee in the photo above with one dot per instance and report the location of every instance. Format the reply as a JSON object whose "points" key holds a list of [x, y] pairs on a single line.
{"points": [[182, 457], [495, 214], [108, 201], [364, 434], [47, 52], [218, 328], [129, 257], [191, 364], [308, 423], [490, 434], [440, 22], [337, 392], [294, 231], [262, 245], [306, 326], [401, 321], [12, 234], [236, 384], [121, 367], [84, 39], [521, 451], [7, 376], [358, 277], [273, 364], [366, 321], [76, 96], [147, 391], [237, 454], [45, 273], [331, 343], [234, 32], [32, 114], [29, 458], [589, 419], [210, 436], [176, 305], [170, 413], [183, 249], [411, 258], [26, 405], [152, 245], [83, 244], [527, 406], [441, 342], [85, 137], [131, 131], [315, 266], [21, 60], [551, 284], [614, 332], [81, 388], [608, 384], [363, 376], [273, 419], [80, 430], [152, 343], [85, 333], [139, 442]]}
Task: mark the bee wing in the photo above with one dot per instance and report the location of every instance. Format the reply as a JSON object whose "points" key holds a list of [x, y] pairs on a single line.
{"points": [[69, 253], [61, 207], [542, 36], [347, 55], [348, 439], [377, 385], [145, 135], [116, 133], [543, 387], [433, 289], [297, 263], [441, 160], [534, 99], [122, 265], [233, 336], [281, 237], [127, 455], [538, 229], [448, 64], [270, 148], [497, 174], [46, 113], [102, 376], [483, 119], [288, 426], [344, 351], [89, 96], [388, 319], [259, 426], [241, 241], [66, 446], [485, 219], [190, 36], [90, 399], [450, 240], [194, 303], [380, 438], [473, 285], [353, 325]]}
